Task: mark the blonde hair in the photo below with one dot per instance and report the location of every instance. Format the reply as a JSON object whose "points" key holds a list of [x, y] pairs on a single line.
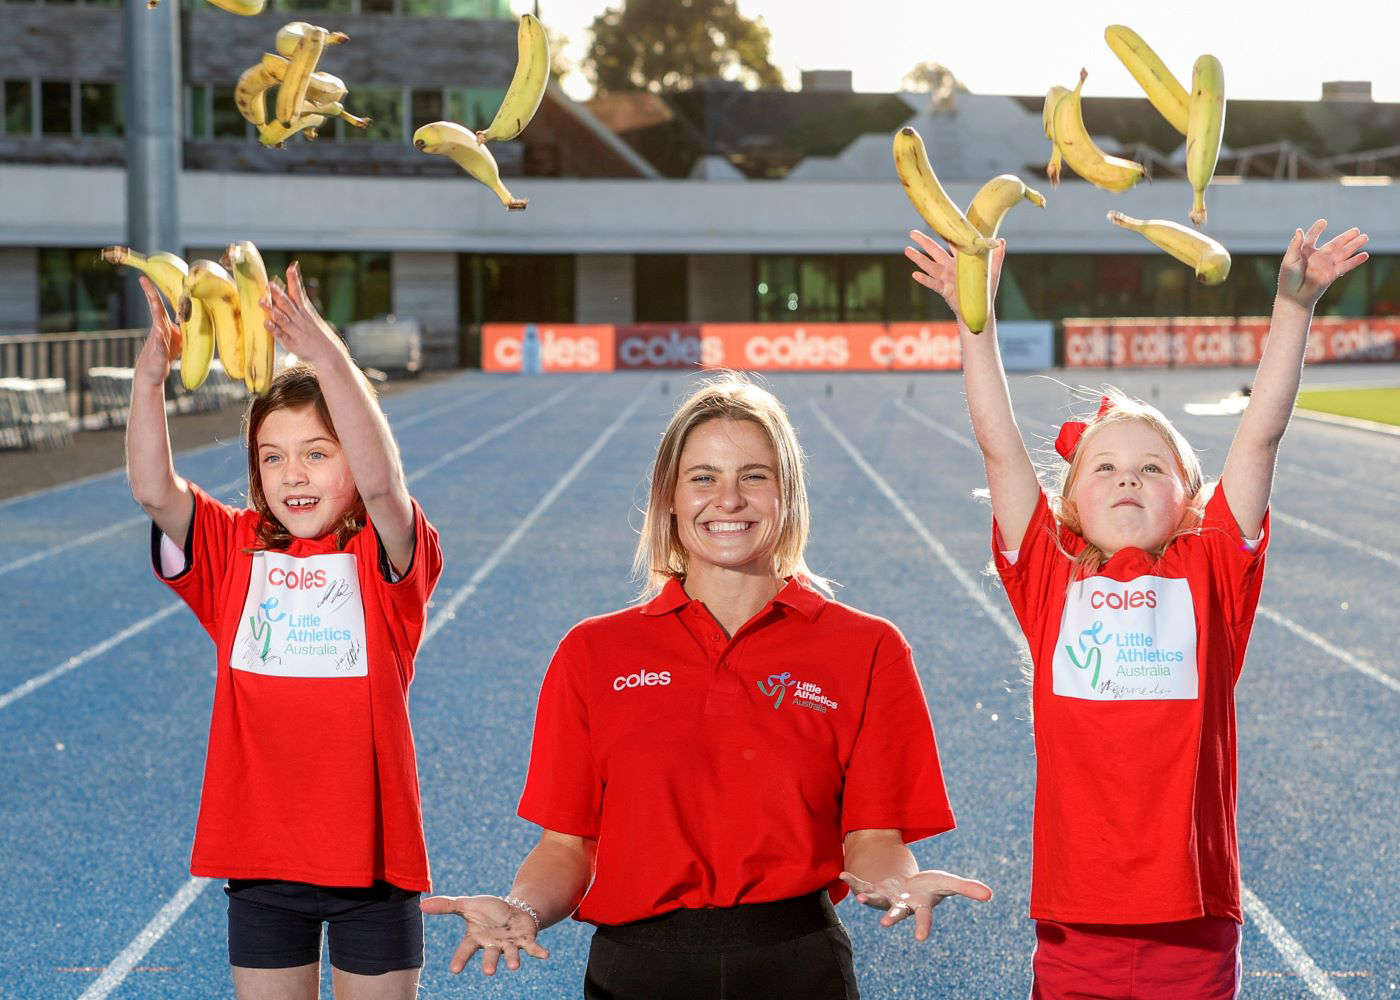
{"points": [[660, 557], [1124, 408]]}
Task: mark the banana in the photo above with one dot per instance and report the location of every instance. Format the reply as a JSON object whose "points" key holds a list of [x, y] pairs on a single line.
{"points": [[197, 345], [250, 93], [1209, 259], [989, 206], [527, 86], [335, 109], [459, 144], [165, 270], [1112, 173], [300, 66], [259, 349], [245, 7], [1047, 118], [289, 36], [214, 288], [1204, 129], [1164, 91], [922, 187], [274, 134]]}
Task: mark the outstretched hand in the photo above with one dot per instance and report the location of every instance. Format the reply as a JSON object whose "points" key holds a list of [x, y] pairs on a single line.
{"points": [[494, 928], [1308, 269], [938, 269], [293, 320], [914, 895], [162, 343]]}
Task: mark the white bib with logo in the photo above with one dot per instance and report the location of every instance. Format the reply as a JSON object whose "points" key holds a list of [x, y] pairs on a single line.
{"points": [[1133, 641], [303, 618]]}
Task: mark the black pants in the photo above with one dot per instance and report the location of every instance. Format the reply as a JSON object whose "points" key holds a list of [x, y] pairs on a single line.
{"points": [[760, 951]]}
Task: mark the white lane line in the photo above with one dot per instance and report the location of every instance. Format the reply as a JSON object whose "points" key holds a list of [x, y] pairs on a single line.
{"points": [[34, 683], [934, 425], [73, 662], [1331, 649], [418, 418], [1335, 538], [1318, 982], [1291, 951], [122, 965], [48, 491]]}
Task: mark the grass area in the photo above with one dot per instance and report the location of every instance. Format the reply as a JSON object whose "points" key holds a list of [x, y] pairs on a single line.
{"points": [[1380, 405]]}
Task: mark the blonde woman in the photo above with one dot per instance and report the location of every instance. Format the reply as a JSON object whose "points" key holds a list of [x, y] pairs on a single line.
{"points": [[714, 766]]}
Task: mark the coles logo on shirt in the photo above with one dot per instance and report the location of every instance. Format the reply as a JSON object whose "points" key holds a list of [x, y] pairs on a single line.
{"points": [[302, 618], [1133, 641], [642, 678]]}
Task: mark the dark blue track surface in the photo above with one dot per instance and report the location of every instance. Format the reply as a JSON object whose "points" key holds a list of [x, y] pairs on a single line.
{"points": [[101, 762]]}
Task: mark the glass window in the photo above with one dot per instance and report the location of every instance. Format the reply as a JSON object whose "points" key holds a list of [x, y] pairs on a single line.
{"points": [[1347, 296], [225, 120], [659, 288], [1165, 290], [775, 289], [344, 285], [1385, 285], [474, 107], [19, 107], [102, 3], [56, 107], [819, 289], [100, 108], [335, 6], [1254, 278], [863, 289], [376, 6], [1118, 284], [516, 288], [384, 106], [427, 107], [479, 9], [1021, 290], [422, 8], [906, 299], [1069, 286], [196, 112], [78, 291]]}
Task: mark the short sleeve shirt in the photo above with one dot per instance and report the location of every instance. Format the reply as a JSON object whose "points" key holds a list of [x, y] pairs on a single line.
{"points": [[311, 774], [1133, 695], [714, 771]]}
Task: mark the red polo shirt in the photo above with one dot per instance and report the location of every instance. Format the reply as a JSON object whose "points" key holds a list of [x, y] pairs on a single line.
{"points": [[714, 771]]}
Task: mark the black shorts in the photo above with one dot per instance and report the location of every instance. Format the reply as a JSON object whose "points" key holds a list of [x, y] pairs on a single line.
{"points": [[789, 948], [277, 925]]}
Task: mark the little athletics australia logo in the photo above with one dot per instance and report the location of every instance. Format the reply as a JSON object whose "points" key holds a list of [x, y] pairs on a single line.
{"points": [[1132, 641], [804, 693]]}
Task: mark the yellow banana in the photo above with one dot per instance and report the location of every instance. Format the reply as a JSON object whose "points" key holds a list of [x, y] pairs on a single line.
{"points": [[1164, 91], [165, 270], [245, 7], [459, 144], [290, 35], [335, 109], [275, 134], [196, 344], [214, 288], [1209, 259], [292, 91], [1047, 118], [259, 349], [1112, 173], [250, 93], [527, 86], [1204, 130], [922, 186], [322, 88], [989, 206]]}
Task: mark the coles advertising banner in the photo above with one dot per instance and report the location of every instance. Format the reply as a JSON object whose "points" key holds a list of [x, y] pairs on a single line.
{"points": [[753, 346], [1139, 343]]}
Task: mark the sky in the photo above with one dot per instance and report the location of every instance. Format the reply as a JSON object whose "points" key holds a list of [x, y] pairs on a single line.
{"points": [[1279, 50]]}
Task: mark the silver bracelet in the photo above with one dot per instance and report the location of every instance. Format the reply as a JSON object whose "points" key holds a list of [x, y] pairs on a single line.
{"points": [[520, 904]]}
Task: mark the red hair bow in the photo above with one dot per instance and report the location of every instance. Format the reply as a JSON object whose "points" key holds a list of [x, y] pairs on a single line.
{"points": [[1067, 441]]}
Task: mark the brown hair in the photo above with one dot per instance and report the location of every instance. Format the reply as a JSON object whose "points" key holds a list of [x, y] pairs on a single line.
{"points": [[293, 388], [1091, 558], [729, 396]]}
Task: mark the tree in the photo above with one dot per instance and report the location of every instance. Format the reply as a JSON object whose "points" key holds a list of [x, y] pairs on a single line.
{"points": [[661, 45], [936, 80]]}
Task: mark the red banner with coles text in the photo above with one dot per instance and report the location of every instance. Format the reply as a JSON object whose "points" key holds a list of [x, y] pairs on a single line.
{"points": [[1151, 343]]}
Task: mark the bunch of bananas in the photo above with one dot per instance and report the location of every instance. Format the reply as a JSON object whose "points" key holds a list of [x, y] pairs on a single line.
{"points": [[214, 309], [467, 149], [306, 97], [245, 7], [972, 235]]}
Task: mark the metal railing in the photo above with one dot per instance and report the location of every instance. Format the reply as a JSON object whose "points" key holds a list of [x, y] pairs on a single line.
{"points": [[68, 356]]}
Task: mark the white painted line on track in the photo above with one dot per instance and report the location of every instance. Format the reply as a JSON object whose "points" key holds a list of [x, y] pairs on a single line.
{"points": [[1331, 649], [122, 965], [1291, 951], [73, 662], [418, 418], [934, 425], [1332, 536], [96, 477], [1318, 982]]}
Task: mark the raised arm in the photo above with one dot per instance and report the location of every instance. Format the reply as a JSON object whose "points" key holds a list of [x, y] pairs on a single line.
{"points": [[164, 496], [1011, 477], [551, 881], [1306, 272], [359, 422]]}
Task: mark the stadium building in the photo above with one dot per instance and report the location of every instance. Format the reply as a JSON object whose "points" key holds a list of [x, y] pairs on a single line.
{"points": [[713, 206]]}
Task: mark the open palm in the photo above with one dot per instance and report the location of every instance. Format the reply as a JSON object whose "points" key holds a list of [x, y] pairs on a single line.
{"points": [[1308, 269], [494, 928]]}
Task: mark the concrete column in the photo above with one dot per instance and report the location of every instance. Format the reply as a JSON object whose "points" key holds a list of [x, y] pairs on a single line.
{"points": [[603, 288], [19, 290], [719, 288], [425, 289]]}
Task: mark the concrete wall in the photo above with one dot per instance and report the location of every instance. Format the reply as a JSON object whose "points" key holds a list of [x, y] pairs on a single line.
{"points": [[425, 288], [603, 288], [19, 290], [719, 288]]}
